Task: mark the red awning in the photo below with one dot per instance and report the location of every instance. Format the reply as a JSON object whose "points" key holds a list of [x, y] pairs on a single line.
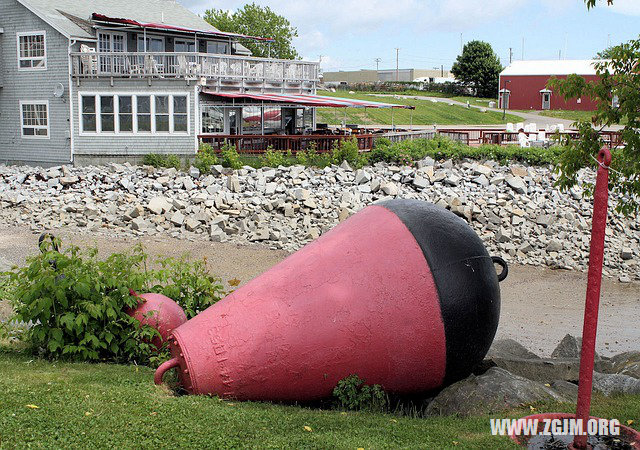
{"points": [[309, 100], [163, 26]]}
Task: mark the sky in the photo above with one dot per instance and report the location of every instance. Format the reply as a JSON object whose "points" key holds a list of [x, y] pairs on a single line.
{"points": [[351, 34]]}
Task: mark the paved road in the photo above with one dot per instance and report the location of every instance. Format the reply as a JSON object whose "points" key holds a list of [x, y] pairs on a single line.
{"points": [[539, 306]]}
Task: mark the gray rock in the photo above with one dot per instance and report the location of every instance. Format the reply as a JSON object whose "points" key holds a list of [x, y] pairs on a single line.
{"points": [[188, 184], [159, 205], [503, 235], [612, 384], [362, 177], [554, 246], [345, 166], [68, 181], [389, 189], [567, 389], [509, 348], [544, 370], [194, 172], [191, 224], [544, 220], [626, 253], [517, 184], [627, 363], [494, 391], [177, 218], [420, 182], [233, 183], [5, 265]]}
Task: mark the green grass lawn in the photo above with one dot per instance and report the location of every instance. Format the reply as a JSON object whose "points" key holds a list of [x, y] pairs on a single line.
{"points": [[104, 405], [426, 113]]}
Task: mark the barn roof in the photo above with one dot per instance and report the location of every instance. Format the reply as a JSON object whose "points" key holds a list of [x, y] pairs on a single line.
{"points": [[551, 67]]}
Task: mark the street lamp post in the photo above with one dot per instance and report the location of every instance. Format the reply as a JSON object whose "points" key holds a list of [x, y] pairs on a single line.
{"points": [[504, 103]]}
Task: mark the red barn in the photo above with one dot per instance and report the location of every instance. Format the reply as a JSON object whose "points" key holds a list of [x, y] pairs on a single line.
{"points": [[523, 84]]}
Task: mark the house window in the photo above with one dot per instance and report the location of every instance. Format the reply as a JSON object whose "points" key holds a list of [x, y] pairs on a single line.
{"points": [[184, 46], [212, 119], [180, 114], [130, 113], [218, 48], [107, 114], [143, 111], [154, 44], [89, 113], [125, 113], [35, 119], [32, 50], [162, 113]]}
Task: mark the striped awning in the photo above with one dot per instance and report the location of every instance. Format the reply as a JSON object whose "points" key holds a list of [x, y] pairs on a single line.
{"points": [[309, 100]]}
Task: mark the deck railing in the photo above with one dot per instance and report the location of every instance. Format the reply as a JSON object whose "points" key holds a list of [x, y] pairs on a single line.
{"points": [[258, 144], [191, 66]]}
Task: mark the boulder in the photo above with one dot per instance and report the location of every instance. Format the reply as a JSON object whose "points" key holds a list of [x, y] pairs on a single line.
{"points": [[159, 205], [612, 384], [494, 391], [627, 363], [517, 184], [509, 348]]}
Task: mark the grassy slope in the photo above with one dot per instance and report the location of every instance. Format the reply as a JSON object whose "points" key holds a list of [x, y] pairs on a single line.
{"points": [[82, 405], [426, 113]]}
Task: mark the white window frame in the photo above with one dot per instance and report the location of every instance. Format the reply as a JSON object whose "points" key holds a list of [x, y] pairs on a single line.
{"points": [[134, 101], [20, 58], [22, 124]]}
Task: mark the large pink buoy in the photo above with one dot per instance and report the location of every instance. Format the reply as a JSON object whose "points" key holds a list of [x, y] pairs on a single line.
{"points": [[159, 312], [402, 294]]}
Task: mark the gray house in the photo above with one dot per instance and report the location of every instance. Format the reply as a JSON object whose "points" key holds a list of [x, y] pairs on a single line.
{"points": [[91, 80]]}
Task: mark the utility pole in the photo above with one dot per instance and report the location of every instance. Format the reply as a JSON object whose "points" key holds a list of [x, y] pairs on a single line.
{"points": [[559, 54], [397, 64], [522, 48], [377, 60], [510, 55], [461, 45]]}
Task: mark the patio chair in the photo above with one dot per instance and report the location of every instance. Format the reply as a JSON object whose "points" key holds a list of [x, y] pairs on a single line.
{"points": [[89, 61]]}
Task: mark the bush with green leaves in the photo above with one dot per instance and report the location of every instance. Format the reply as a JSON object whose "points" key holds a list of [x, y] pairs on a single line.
{"points": [[162, 161], [205, 158], [275, 158], [76, 303], [353, 393], [230, 156]]}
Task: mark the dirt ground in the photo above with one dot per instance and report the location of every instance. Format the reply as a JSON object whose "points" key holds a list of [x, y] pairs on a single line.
{"points": [[539, 306]]}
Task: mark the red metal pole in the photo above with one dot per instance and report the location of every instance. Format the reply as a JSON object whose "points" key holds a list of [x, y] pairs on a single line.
{"points": [[590, 326]]}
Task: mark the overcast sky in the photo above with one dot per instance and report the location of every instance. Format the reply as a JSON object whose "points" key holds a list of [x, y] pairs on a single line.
{"points": [[351, 34]]}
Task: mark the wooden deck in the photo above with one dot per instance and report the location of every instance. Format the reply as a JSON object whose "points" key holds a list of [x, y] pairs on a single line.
{"points": [[258, 144]]}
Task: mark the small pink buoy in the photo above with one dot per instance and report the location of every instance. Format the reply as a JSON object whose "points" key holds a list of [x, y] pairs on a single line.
{"points": [[159, 312]]}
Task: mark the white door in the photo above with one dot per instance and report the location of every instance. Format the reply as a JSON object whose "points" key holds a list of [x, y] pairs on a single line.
{"points": [[112, 43], [546, 100]]}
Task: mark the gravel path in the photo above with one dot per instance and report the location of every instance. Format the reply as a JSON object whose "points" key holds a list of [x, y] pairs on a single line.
{"points": [[539, 305]]}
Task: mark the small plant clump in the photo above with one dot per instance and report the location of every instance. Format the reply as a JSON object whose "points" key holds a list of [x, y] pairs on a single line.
{"points": [[205, 158], [230, 156], [162, 161], [353, 394], [75, 304]]}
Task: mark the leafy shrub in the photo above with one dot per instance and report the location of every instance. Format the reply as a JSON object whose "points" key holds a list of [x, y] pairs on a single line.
{"points": [[76, 303], [347, 150], [230, 156], [159, 161], [205, 158], [352, 393], [273, 158]]}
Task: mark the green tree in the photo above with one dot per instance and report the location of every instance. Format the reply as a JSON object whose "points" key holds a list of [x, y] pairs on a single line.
{"points": [[617, 93], [478, 67], [255, 20]]}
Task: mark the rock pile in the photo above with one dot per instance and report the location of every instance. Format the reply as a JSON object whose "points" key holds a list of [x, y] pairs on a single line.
{"points": [[516, 210], [511, 376]]}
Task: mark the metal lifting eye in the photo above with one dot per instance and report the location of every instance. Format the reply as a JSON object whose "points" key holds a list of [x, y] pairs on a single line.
{"points": [[502, 263]]}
